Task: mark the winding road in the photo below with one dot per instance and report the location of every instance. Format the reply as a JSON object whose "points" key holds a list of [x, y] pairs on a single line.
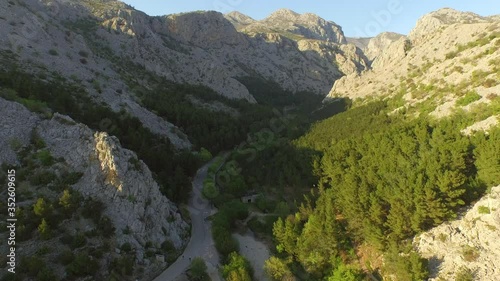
{"points": [[201, 243]]}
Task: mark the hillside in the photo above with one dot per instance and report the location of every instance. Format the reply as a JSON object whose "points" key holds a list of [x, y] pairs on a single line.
{"points": [[448, 62], [131, 134]]}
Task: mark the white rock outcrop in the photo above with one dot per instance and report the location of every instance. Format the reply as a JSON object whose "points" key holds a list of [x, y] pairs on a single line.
{"points": [[111, 174], [471, 242]]}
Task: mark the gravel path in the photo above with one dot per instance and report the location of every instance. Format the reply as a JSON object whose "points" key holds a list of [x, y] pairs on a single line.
{"points": [[256, 252], [201, 243]]}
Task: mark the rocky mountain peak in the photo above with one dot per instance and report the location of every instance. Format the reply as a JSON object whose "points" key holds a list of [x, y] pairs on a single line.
{"points": [[283, 14], [238, 19], [446, 16], [299, 26], [202, 29], [379, 44]]}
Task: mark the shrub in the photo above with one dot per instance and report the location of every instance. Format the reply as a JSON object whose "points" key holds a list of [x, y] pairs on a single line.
{"points": [[45, 158], [483, 210], [123, 266], [469, 253], [464, 274], [167, 246], [53, 52], [469, 98], [126, 247], [42, 178], [78, 241], [44, 230], [46, 274], [106, 227], [66, 257], [82, 265], [490, 83], [32, 265], [198, 269]]}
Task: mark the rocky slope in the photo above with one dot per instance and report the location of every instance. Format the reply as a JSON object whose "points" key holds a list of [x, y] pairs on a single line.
{"points": [[372, 47], [307, 26], [141, 215], [379, 44], [468, 245], [114, 50], [450, 60]]}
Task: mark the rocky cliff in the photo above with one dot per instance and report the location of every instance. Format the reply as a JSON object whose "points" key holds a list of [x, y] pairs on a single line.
{"points": [[306, 26], [142, 217], [467, 246], [113, 50], [449, 60]]}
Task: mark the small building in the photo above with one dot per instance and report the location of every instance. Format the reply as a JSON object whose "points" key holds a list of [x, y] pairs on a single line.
{"points": [[160, 258]]}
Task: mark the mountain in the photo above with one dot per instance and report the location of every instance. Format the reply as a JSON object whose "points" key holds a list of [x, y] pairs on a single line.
{"points": [[446, 50], [112, 199], [108, 115], [112, 49], [297, 26], [372, 47], [239, 20]]}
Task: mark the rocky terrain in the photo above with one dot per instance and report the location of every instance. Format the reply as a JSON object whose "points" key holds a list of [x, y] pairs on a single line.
{"points": [[467, 246], [111, 48], [449, 61], [142, 217]]}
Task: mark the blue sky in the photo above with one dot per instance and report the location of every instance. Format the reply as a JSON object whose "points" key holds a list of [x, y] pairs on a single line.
{"points": [[358, 18]]}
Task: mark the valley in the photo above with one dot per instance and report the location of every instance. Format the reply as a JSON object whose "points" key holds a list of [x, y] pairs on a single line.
{"points": [[210, 146]]}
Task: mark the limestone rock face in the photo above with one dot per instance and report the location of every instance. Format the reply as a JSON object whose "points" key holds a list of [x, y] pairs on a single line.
{"points": [[442, 53], [433, 21], [307, 26], [238, 19], [16, 125], [470, 242], [111, 174], [204, 29], [377, 45], [102, 44]]}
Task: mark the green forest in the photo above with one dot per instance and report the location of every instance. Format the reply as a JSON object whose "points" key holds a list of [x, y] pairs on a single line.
{"points": [[362, 181], [380, 180]]}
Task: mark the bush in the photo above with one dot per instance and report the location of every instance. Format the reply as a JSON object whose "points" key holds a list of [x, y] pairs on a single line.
{"points": [[66, 257], [469, 98], [46, 274], [469, 253], [82, 265], [106, 227], [53, 52], [167, 246], [464, 274], [126, 247], [237, 268], [123, 266], [484, 210], [32, 265], [45, 158], [198, 270], [42, 178]]}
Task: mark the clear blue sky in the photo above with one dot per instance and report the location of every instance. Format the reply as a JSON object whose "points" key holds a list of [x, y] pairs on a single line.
{"points": [[358, 18]]}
